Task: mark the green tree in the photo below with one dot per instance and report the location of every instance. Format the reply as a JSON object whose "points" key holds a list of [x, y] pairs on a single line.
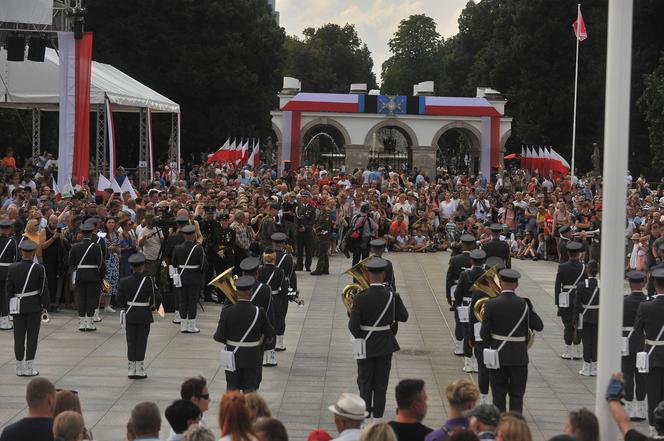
{"points": [[329, 59], [415, 49], [652, 105]]}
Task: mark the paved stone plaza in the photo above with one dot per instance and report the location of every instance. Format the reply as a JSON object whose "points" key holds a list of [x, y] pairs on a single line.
{"points": [[314, 370]]}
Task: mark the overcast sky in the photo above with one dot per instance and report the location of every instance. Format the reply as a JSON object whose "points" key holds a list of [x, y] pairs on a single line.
{"points": [[375, 20]]}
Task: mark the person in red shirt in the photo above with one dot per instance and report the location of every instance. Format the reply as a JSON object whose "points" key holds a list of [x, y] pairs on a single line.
{"points": [[548, 232], [397, 228]]}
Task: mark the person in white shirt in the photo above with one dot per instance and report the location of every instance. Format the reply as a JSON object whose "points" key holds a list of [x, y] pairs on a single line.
{"points": [[349, 413], [448, 207]]}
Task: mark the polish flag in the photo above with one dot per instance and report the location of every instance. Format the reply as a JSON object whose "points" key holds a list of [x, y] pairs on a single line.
{"points": [[255, 157], [220, 154], [579, 26]]}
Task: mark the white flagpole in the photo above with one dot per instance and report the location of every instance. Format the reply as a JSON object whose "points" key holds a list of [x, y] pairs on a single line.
{"points": [[616, 142], [576, 83]]}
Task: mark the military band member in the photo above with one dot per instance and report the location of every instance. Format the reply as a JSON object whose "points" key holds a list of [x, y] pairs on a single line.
{"points": [[190, 264], [456, 266], [508, 319], [28, 297], [285, 262], [376, 248], [211, 231], [651, 281], [8, 255], [305, 215], [138, 297], [476, 340], [586, 317], [88, 266], [635, 381], [322, 229], [570, 273], [244, 328], [497, 247], [174, 239], [368, 322], [96, 223], [650, 324], [275, 283], [462, 299], [227, 240], [565, 237]]}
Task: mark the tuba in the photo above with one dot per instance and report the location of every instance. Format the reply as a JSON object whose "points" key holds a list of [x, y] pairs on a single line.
{"points": [[352, 289], [224, 283], [489, 284]]}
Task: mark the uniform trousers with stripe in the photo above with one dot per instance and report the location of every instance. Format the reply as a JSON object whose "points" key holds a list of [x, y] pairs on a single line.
{"points": [[655, 390], [26, 335], [88, 297], [589, 340], [189, 295], [137, 340], [373, 374], [634, 380], [509, 380]]}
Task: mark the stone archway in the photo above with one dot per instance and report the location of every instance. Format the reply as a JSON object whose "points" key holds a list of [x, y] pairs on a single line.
{"points": [[392, 122], [466, 154], [323, 142], [324, 121]]}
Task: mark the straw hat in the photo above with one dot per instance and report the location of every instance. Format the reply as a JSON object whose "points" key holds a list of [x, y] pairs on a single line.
{"points": [[350, 406]]}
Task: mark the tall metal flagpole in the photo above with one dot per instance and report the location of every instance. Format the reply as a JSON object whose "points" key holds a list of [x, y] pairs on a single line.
{"points": [[616, 142], [576, 82]]}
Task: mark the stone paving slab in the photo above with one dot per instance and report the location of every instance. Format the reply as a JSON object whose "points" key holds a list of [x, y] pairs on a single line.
{"points": [[317, 365]]}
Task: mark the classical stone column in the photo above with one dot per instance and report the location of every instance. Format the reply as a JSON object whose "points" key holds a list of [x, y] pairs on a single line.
{"points": [[357, 156], [424, 158]]}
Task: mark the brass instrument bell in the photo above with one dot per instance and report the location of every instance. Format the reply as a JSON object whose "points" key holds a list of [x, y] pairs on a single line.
{"points": [[224, 283], [349, 292]]}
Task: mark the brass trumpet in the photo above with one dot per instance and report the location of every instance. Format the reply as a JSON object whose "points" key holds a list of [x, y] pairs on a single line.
{"points": [[359, 272], [224, 283], [590, 233]]}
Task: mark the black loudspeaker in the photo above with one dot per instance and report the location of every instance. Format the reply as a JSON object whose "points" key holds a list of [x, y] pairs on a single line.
{"points": [[15, 48], [36, 49]]}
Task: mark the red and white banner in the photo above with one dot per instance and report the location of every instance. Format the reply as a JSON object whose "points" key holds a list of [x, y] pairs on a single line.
{"points": [[579, 26], [110, 128], [459, 106], [323, 102]]}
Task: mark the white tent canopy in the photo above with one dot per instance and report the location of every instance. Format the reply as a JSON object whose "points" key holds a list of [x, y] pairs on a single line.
{"points": [[32, 84]]}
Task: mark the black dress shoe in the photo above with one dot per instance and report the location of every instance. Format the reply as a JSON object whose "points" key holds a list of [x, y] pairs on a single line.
{"points": [[316, 273]]}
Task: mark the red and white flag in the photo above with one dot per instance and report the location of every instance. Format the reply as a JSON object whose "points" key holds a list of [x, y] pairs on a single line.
{"points": [[255, 157], [221, 154], [579, 26]]}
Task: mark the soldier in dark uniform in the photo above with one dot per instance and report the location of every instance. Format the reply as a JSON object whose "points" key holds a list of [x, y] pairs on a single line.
{"points": [[305, 215], [285, 262], [138, 297], [376, 248], [565, 238], [322, 229], [586, 317], [650, 324], [190, 264], [462, 299], [174, 239], [88, 266], [226, 243], [28, 297], [651, 281], [569, 274], [375, 311], [211, 231], [476, 340], [268, 226], [244, 328], [274, 281], [508, 319], [8, 255], [634, 380], [96, 223], [497, 247], [456, 266]]}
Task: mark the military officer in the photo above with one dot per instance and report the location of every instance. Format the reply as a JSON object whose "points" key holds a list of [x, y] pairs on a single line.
{"points": [[8, 255], [275, 282], [377, 248], [650, 324], [284, 261], [462, 301], [570, 273], [28, 297], [456, 266], [474, 333], [174, 239], [507, 322], [635, 381], [586, 317], [305, 215], [211, 231], [138, 298], [375, 311], [96, 223], [244, 328], [88, 266], [226, 243], [190, 266], [322, 229], [268, 226], [497, 247]]}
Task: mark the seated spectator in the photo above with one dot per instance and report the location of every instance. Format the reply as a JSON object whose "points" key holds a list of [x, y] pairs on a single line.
{"points": [[38, 425], [257, 406], [583, 425], [513, 427], [181, 415], [69, 426], [402, 243], [483, 420], [68, 400], [349, 413], [198, 433], [270, 429], [319, 435], [462, 395], [411, 409], [378, 431], [145, 422], [419, 242], [195, 389], [234, 418]]}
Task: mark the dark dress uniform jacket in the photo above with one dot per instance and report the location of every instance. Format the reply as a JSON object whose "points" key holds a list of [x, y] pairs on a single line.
{"points": [[584, 292], [234, 322], [651, 280], [649, 321], [631, 304], [102, 243], [287, 265], [148, 294], [174, 239], [367, 307], [94, 257], [567, 275], [498, 248], [563, 255], [501, 314], [9, 256], [457, 265], [389, 275], [16, 275], [261, 295], [277, 282], [180, 253], [476, 295], [466, 280]]}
